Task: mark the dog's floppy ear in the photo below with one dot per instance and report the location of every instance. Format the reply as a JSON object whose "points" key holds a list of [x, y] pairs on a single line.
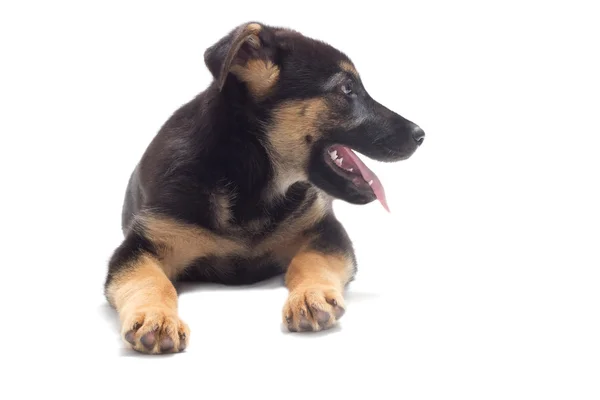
{"points": [[246, 53]]}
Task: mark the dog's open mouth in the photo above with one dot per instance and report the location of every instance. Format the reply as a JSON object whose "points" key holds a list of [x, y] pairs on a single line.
{"points": [[347, 164]]}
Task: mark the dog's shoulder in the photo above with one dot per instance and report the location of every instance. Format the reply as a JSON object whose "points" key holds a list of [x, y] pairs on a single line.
{"points": [[198, 167]]}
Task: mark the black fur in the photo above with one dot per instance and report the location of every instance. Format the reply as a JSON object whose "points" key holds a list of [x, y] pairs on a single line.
{"points": [[134, 245], [218, 144], [211, 144], [232, 271], [330, 237]]}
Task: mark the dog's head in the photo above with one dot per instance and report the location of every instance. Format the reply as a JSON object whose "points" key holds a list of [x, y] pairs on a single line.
{"points": [[313, 108]]}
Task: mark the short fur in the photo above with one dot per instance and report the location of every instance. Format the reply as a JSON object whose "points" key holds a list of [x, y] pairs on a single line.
{"points": [[237, 187]]}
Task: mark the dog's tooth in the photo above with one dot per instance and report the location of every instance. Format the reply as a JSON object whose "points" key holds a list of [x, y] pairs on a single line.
{"points": [[370, 182], [333, 154], [339, 162], [350, 169]]}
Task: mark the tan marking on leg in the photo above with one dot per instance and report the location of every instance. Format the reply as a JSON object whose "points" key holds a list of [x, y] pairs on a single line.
{"points": [[289, 238], [178, 243], [315, 281], [348, 67], [147, 305], [314, 268]]}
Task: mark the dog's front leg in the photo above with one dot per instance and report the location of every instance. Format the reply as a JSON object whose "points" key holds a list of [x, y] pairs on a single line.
{"points": [[145, 299], [316, 278]]}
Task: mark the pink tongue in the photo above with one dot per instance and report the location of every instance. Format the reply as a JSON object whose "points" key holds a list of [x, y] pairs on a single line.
{"points": [[366, 173]]}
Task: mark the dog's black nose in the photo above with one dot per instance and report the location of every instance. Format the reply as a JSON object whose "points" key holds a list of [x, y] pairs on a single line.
{"points": [[419, 135]]}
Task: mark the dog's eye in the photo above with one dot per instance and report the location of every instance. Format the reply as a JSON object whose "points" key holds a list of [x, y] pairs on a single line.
{"points": [[347, 89]]}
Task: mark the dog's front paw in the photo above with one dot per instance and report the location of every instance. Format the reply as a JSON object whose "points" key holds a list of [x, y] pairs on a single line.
{"points": [[313, 308], [155, 330]]}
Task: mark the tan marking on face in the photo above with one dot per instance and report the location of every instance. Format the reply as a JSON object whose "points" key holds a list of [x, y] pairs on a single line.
{"points": [[348, 67], [146, 301], [178, 243], [259, 75], [289, 150]]}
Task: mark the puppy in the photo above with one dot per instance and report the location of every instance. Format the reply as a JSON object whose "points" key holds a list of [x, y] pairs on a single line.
{"points": [[237, 186]]}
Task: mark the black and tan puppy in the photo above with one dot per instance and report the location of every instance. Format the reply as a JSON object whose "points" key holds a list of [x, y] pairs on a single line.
{"points": [[238, 185]]}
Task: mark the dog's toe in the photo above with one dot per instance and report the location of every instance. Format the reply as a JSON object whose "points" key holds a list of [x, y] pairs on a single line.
{"points": [[313, 309]]}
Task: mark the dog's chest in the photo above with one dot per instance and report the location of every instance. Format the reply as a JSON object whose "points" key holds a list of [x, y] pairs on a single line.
{"points": [[281, 227], [262, 247]]}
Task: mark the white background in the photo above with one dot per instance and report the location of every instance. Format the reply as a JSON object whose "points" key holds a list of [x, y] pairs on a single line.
{"points": [[483, 283]]}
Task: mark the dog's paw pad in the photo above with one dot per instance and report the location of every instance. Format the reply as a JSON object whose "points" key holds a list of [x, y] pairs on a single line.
{"points": [[166, 344], [182, 341], [322, 317], [155, 330], [313, 308], [129, 337], [148, 340]]}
